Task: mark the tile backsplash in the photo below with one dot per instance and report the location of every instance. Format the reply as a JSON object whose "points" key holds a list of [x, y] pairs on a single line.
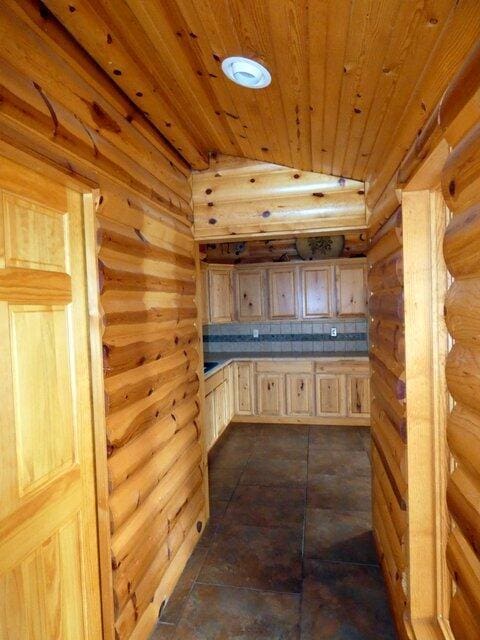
{"points": [[293, 336]]}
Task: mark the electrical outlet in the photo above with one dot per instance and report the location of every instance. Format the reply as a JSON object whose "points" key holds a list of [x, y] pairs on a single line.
{"points": [[255, 333], [333, 332]]}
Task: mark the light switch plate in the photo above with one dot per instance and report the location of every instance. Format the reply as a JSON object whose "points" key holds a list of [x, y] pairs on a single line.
{"points": [[333, 332], [255, 333]]}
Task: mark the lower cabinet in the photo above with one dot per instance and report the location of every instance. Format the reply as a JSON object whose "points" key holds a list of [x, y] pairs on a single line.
{"points": [[330, 394], [270, 394], [318, 391], [299, 394]]}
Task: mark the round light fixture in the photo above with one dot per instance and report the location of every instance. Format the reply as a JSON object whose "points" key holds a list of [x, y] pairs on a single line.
{"points": [[246, 72]]}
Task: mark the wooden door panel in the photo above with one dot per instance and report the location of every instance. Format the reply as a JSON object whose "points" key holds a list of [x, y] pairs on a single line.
{"points": [[331, 395], [351, 290], [243, 381], [49, 583], [317, 292], [283, 293], [270, 394], [359, 395], [299, 394], [250, 293]]}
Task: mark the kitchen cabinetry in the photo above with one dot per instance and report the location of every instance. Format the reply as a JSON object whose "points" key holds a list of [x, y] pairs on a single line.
{"points": [[282, 293], [220, 294], [210, 420], [330, 395], [358, 395], [205, 294], [351, 291], [317, 291], [250, 294]]}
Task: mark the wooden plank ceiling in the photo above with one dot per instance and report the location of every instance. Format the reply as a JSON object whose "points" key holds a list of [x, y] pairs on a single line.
{"points": [[348, 75]]}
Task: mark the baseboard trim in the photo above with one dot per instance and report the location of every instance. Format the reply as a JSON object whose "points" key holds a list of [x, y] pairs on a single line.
{"points": [[311, 420]]}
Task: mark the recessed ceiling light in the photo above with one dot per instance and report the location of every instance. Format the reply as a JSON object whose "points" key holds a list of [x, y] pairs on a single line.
{"points": [[246, 72]]}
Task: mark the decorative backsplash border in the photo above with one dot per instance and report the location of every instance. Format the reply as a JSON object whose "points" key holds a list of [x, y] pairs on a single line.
{"points": [[287, 336]]}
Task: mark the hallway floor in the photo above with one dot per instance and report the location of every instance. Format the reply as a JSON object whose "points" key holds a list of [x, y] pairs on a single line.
{"points": [[288, 553]]}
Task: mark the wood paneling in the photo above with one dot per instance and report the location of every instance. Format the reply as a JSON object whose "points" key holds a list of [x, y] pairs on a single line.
{"points": [[461, 189], [283, 293], [350, 290], [238, 198], [249, 292], [49, 573], [350, 80], [318, 294], [220, 296]]}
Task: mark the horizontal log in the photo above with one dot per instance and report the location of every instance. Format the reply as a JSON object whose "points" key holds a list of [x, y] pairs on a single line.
{"points": [[387, 305], [386, 273], [462, 312], [425, 142], [388, 360], [123, 462], [133, 301], [462, 620], [382, 483], [390, 465], [387, 241], [463, 434], [123, 334], [140, 247], [465, 567], [463, 500], [461, 173], [461, 244], [394, 410], [140, 383], [389, 336], [125, 424], [117, 359], [128, 574], [142, 266], [132, 493], [395, 545], [156, 315], [396, 385], [382, 205], [463, 375], [130, 535], [127, 281]]}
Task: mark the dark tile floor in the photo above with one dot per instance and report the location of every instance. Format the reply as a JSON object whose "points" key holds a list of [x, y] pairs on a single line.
{"points": [[288, 553]]}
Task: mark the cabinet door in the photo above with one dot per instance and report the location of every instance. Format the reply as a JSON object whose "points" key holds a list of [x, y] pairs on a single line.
{"points": [[210, 419], [358, 388], [299, 394], [231, 392], [351, 290], [244, 405], [220, 295], [283, 291], [331, 394], [220, 408], [270, 394], [204, 297], [317, 292], [250, 293]]}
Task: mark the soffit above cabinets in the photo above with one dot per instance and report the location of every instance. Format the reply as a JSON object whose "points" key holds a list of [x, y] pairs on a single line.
{"points": [[352, 80]]}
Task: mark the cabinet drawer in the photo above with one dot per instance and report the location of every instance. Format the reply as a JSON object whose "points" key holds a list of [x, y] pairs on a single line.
{"points": [[342, 366], [284, 366]]}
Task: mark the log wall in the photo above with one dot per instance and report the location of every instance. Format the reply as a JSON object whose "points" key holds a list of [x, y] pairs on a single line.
{"points": [[388, 413], [62, 115], [461, 189]]}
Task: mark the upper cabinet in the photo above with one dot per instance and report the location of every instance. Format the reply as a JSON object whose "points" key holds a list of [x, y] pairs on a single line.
{"points": [[307, 290], [220, 293], [351, 289], [317, 291], [249, 288], [283, 292]]}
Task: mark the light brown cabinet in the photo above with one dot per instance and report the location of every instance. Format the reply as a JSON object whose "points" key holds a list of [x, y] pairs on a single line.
{"points": [[204, 295], [282, 293], [220, 294], [351, 290], [250, 295], [299, 394], [210, 419], [243, 384], [358, 395], [221, 408], [331, 395], [317, 291], [270, 394]]}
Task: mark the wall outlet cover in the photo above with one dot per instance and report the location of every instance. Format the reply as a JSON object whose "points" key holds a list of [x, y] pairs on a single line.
{"points": [[333, 332], [255, 333]]}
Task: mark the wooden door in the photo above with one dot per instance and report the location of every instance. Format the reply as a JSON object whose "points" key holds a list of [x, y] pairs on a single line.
{"points": [[231, 392], [283, 291], [220, 295], [317, 292], [299, 394], [244, 405], [49, 582], [249, 295], [270, 394], [351, 290], [331, 395], [210, 420], [358, 392]]}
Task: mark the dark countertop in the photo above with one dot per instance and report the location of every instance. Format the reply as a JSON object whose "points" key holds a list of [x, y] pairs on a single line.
{"points": [[225, 358]]}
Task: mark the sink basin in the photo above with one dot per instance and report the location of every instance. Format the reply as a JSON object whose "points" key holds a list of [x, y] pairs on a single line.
{"points": [[208, 366]]}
